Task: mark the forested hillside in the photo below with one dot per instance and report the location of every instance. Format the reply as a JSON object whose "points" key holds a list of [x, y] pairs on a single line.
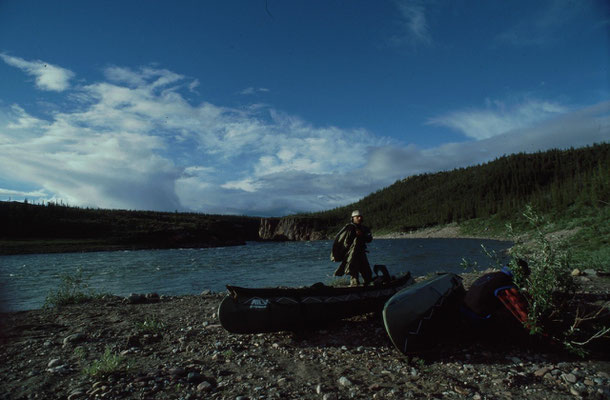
{"points": [[551, 182], [51, 227]]}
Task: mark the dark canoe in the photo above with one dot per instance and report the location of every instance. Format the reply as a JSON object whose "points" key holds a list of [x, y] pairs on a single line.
{"points": [[418, 313], [260, 310]]}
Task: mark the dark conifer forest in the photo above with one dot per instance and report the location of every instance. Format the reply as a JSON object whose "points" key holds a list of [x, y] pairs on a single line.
{"points": [[552, 182]]}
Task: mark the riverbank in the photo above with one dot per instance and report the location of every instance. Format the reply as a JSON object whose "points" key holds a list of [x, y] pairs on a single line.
{"points": [[174, 348], [450, 231]]}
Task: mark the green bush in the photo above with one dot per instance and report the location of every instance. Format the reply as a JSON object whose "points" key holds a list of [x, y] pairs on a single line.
{"points": [[73, 289], [151, 325], [550, 280], [108, 364]]}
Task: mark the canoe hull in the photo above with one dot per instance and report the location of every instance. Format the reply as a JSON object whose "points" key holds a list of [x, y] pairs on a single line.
{"points": [[294, 309], [419, 311]]}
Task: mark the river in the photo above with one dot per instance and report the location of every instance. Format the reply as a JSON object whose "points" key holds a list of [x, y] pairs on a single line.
{"points": [[25, 280]]}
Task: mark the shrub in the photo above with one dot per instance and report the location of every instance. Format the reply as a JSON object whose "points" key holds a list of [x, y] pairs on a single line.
{"points": [[150, 325], [108, 364], [73, 289], [550, 281]]}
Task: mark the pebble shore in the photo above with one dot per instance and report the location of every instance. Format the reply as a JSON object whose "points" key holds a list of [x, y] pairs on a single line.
{"points": [[174, 348]]}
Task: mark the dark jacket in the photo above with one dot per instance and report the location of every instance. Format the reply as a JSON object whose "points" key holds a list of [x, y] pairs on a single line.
{"points": [[354, 238]]}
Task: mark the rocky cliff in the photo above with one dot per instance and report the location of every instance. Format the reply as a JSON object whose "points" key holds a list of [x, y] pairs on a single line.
{"points": [[290, 228]]}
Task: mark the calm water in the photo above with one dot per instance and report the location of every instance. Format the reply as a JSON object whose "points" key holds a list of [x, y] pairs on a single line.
{"points": [[26, 279]]}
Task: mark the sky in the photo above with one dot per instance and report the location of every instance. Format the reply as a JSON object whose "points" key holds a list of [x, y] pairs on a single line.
{"points": [[269, 107]]}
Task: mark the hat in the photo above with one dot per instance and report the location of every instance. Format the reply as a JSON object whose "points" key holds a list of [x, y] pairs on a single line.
{"points": [[356, 213]]}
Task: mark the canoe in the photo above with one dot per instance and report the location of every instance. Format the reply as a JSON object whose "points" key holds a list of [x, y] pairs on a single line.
{"points": [[257, 310], [412, 314]]}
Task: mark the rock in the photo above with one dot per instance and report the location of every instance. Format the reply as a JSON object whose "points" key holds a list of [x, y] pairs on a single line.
{"points": [[77, 394], [206, 292], [204, 386], [569, 378], [289, 228], [575, 272], [152, 297], [194, 377], [33, 372], [542, 371], [60, 369], [460, 390], [97, 384], [135, 298], [54, 363], [177, 372], [74, 338], [578, 389], [343, 381]]}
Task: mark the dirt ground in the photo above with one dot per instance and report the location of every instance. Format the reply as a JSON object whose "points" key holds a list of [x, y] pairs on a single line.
{"points": [[174, 348]]}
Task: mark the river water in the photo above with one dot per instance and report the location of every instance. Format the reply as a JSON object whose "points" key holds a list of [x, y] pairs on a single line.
{"points": [[25, 280]]}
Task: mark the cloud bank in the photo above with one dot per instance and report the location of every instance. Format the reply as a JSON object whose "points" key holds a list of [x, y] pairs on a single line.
{"points": [[47, 77], [134, 141]]}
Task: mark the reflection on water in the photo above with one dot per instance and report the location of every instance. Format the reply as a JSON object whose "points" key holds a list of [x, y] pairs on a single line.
{"points": [[25, 280]]}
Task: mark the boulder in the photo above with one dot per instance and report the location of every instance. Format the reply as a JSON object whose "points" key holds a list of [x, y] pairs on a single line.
{"points": [[290, 229]]}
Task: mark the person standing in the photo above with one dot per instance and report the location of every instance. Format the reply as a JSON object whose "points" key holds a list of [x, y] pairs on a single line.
{"points": [[351, 244]]}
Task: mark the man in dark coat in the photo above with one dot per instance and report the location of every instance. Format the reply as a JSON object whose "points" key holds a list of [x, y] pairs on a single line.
{"points": [[353, 238]]}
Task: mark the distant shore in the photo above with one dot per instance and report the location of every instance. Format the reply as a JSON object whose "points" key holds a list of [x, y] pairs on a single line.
{"points": [[451, 231], [16, 247]]}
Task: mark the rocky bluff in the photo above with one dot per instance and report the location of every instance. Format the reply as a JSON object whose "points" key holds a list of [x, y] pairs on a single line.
{"points": [[290, 228]]}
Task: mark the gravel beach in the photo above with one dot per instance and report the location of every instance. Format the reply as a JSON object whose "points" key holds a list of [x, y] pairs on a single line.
{"points": [[174, 348]]}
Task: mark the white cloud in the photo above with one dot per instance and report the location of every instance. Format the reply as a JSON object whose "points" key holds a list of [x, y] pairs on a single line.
{"points": [[498, 118], [48, 76], [414, 23], [135, 142], [573, 129], [22, 120], [252, 90], [19, 195]]}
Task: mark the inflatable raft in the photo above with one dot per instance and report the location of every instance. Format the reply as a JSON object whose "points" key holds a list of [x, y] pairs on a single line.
{"points": [[256, 310], [419, 310]]}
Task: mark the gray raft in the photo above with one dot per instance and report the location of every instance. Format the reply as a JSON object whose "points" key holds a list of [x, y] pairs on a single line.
{"points": [[421, 309]]}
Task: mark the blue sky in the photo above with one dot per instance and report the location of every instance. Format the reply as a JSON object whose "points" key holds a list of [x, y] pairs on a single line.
{"points": [[275, 107]]}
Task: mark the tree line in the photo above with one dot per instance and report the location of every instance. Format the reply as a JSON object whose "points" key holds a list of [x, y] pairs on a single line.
{"points": [[109, 229], [551, 181]]}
